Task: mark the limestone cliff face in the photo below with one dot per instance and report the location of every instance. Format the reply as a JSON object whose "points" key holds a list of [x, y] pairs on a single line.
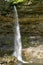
{"points": [[31, 24]]}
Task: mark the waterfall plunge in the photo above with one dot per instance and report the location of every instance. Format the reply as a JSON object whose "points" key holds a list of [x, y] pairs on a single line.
{"points": [[17, 39]]}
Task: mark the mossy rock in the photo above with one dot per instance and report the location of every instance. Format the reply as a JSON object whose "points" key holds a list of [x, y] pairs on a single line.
{"points": [[3, 52]]}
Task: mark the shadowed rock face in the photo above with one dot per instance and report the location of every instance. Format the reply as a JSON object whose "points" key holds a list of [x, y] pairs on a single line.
{"points": [[31, 25]]}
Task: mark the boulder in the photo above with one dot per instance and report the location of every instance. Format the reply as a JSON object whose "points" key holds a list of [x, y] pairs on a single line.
{"points": [[34, 54]]}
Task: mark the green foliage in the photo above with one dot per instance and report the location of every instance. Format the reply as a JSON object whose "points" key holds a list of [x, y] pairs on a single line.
{"points": [[25, 42], [8, 43], [15, 1], [3, 52]]}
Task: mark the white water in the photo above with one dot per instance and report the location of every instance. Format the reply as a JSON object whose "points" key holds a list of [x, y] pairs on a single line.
{"points": [[17, 39]]}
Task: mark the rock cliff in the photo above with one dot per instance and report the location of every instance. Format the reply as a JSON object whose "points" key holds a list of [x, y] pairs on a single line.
{"points": [[31, 24]]}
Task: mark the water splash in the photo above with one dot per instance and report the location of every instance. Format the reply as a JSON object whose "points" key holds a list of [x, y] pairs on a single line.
{"points": [[17, 38]]}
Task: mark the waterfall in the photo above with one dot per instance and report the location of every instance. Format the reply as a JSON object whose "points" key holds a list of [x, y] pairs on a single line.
{"points": [[17, 38]]}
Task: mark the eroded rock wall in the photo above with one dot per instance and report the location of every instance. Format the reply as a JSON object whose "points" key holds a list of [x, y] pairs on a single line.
{"points": [[31, 25]]}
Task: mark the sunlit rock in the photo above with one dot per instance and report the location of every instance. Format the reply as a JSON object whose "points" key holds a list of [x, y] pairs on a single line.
{"points": [[34, 53], [8, 59]]}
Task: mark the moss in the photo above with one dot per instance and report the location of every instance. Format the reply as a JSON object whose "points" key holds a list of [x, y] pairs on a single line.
{"points": [[8, 43], [3, 52], [25, 42]]}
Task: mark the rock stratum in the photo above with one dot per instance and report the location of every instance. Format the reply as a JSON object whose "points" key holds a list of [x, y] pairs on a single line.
{"points": [[31, 25]]}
